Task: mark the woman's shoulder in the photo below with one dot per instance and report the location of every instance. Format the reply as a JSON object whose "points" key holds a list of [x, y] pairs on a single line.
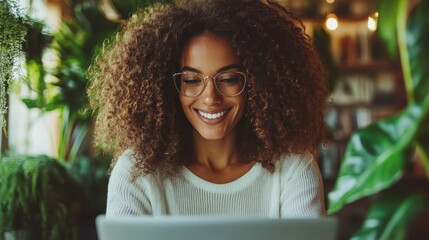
{"points": [[296, 162], [302, 168], [125, 167], [126, 159], [124, 163]]}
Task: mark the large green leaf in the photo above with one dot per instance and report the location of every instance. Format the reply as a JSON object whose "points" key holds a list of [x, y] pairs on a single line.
{"points": [[423, 145], [418, 49], [375, 156], [390, 215], [387, 24]]}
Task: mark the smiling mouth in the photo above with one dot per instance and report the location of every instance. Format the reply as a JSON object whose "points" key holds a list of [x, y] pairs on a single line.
{"points": [[212, 116]]}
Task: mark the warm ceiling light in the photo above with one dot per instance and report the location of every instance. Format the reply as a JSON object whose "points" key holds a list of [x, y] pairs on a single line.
{"points": [[330, 1], [372, 22], [331, 22]]}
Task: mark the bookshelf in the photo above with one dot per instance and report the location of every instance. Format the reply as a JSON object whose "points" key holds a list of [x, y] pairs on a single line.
{"points": [[368, 87]]}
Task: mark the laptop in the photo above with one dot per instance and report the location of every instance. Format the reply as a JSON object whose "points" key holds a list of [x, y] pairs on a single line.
{"points": [[211, 228]]}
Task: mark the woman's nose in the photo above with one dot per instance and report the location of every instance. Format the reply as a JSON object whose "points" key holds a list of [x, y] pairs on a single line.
{"points": [[210, 94]]}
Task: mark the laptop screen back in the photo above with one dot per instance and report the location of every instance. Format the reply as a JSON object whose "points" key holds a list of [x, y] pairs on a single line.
{"points": [[197, 228]]}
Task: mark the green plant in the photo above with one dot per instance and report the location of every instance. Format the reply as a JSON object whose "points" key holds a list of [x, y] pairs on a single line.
{"points": [[39, 195], [37, 41], [12, 33], [75, 44], [377, 156]]}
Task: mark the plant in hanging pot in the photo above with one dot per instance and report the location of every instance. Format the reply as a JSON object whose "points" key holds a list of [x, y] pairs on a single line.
{"points": [[12, 33], [377, 156], [40, 199]]}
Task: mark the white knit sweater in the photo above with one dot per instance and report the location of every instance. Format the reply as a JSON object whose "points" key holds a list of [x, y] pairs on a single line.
{"points": [[294, 190]]}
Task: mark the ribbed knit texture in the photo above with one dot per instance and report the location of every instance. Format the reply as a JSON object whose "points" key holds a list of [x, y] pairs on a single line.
{"points": [[294, 190]]}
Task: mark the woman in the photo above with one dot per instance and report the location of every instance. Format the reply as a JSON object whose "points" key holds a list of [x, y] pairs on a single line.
{"points": [[212, 108]]}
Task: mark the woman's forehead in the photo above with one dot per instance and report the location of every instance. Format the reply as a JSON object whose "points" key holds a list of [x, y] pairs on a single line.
{"points": [[208, 54]]}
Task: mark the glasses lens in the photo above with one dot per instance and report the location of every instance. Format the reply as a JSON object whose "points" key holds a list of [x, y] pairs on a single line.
{"points": [[188, 83], [230, 83]]}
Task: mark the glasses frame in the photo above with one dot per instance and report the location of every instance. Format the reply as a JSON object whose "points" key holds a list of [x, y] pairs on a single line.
{"points": [[205, 77]]}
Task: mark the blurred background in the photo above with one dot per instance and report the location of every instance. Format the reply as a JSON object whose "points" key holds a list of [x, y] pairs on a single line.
{"points": [[375, 163]]}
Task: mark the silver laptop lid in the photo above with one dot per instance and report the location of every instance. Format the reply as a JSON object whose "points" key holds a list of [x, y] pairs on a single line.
{"points": [[211, 228]]}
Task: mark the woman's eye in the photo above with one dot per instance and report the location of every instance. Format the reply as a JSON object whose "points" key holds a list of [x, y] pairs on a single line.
{"points": [[191, 81], [229, 80]]}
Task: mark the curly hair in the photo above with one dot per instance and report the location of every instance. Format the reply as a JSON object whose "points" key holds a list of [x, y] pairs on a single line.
{"points": [[138, 107]]}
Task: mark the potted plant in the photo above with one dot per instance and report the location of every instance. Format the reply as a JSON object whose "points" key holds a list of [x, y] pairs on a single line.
{"points": [[40, 199], [377, 156]]}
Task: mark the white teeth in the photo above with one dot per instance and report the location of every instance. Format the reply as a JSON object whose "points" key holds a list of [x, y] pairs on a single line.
{"points": [[212, 116]]}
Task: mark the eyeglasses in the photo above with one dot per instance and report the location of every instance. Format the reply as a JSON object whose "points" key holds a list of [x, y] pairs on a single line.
{"points": [[192, 84]]}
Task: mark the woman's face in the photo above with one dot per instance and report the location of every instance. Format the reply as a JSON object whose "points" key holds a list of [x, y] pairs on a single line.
{"points": [[211, 114]]}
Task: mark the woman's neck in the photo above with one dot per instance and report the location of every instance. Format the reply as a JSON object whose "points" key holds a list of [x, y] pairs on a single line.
{"points": [[215, 155], [218, 161]]}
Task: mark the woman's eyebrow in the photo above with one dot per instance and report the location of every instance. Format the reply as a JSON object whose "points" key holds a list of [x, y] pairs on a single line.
{"points": [[228, 67], [222, 69], [190, 69]]}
